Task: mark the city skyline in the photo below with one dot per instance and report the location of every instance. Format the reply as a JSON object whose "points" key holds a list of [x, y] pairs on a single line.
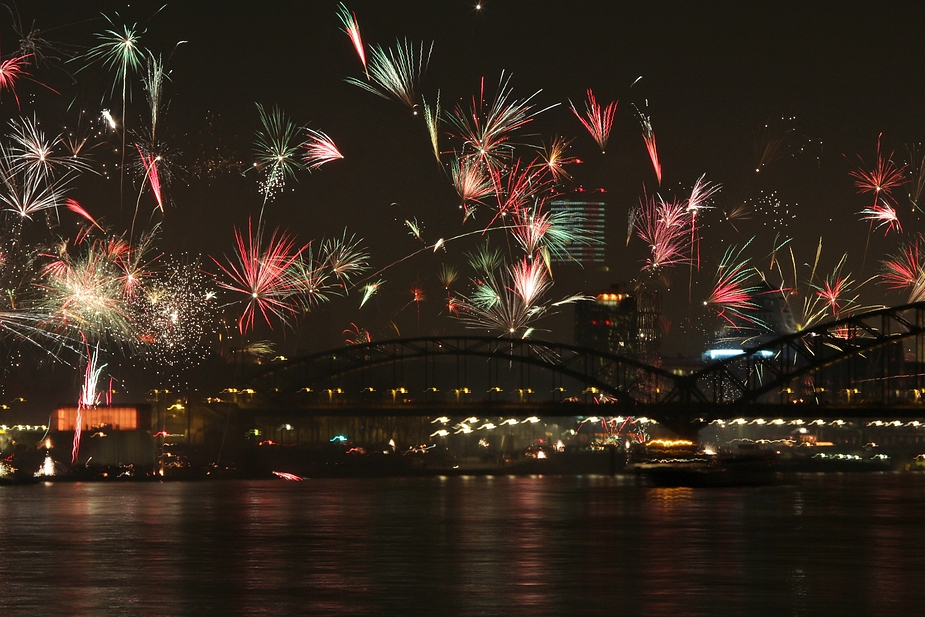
{"points": [[772, 109]]}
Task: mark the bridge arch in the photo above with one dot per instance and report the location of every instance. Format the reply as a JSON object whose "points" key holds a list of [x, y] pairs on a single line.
{"points": [[623, 379]]}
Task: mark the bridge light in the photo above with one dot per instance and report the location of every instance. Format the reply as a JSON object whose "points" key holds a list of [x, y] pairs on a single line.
{"points": [[777, 421], [369, 389], [441, 433], [532, 419], [306, 390], [441, 419], [432, 389], [590, 390], [495, 389]]}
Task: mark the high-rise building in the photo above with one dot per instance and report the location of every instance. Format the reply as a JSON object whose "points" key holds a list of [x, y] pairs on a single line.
{"points": [[623, 322], [583, 215]]}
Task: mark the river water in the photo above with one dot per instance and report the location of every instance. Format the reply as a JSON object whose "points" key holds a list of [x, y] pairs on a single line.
{"points": [[833, 544]]}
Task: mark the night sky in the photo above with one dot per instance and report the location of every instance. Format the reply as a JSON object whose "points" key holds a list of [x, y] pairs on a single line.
{"points": [[718, 80]]}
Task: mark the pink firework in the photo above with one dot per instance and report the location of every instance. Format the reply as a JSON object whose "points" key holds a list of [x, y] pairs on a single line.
{"points": [[832, 291], [530, 278], [665, 227], [10, 72], [154, 180], [648, 135], [596, 120], [75, 207], [261, 274], [733, 295], [352, 30], [882, 214], [880, 180], [319, 149]]}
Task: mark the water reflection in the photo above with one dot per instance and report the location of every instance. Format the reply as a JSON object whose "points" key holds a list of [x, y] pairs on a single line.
{"points": [[590, 545]]}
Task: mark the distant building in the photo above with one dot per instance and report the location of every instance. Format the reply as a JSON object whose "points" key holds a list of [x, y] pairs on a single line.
{"points": [[585, 212], [132, 418], [623, 322]]}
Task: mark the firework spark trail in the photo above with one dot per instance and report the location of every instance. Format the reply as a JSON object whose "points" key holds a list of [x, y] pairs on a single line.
{"points": [[394, 73], [150, 160], [486, 133], [352, 30], [701, 193], [554, 158], [882, 179], [597, 121], [369, 290], [75, 207], [89, 396], [733, 295], [154, 86], [648, 135], [261, 274], [432, 120], [319, 149]]}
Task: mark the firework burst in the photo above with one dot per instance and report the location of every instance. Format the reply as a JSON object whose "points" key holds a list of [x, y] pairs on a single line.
{"points": [[261, 274], [394, 73], [319, 149], [596, 120]]}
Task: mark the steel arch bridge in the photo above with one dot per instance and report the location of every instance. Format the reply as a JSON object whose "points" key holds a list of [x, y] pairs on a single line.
{"points": [[877, 357], [620, 378]]}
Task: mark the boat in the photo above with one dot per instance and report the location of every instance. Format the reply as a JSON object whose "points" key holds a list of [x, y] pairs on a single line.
{"points": [[708, 475]]}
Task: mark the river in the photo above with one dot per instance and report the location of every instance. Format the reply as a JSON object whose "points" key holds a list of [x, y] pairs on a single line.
{"points": [[817, 544]]}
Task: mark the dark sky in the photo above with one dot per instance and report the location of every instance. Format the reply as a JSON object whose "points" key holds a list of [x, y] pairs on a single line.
{"points": [[828, 77]]}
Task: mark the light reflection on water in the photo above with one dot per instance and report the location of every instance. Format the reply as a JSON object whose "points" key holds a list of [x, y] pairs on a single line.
{"points": [[595, 545]]}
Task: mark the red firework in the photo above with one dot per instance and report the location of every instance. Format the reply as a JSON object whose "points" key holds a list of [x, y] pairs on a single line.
{"points": [[260, 273], [882, 179], [597, 121]]}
